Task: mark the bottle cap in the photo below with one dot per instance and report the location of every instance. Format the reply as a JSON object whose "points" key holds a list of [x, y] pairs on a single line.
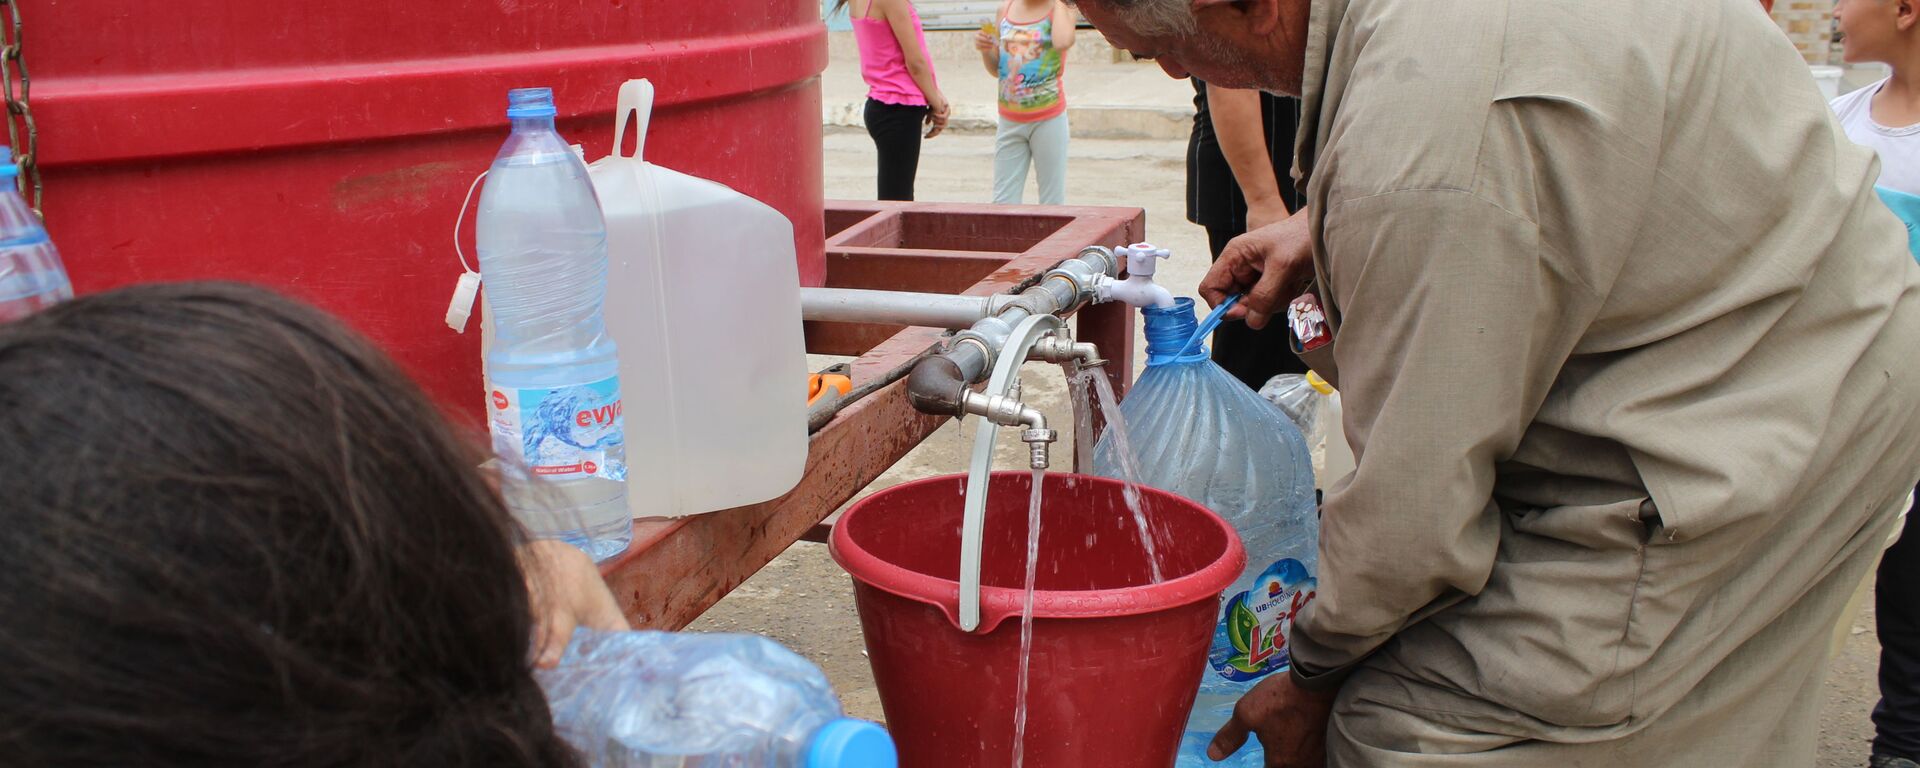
{"points": [[850, 743], [1319, 384], [530, 102], [8, 169]]}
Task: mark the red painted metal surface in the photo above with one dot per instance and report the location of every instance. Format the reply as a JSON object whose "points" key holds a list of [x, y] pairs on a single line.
{"points": [[1117, 653], [676, 569], [323, 148]]}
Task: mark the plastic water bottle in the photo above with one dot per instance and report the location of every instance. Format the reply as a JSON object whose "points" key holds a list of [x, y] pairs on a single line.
{"points": [[31, 276], [1300, 399], [664, 700], [1314, 406], [1204, 435], [553, 383]]}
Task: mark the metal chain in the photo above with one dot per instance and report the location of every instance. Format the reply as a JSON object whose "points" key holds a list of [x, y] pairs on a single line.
{"points": [[15, 86]]}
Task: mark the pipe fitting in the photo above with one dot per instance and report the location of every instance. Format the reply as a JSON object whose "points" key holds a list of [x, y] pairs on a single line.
{"points": [[1039, 446], [988, 338], [1009, 412], [1061, 349], [974, 351], [938, 386], [1003, 410], [1100, 259], [993, 331]]}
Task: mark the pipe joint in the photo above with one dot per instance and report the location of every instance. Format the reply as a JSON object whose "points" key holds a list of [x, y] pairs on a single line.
{"points": [[1039, 447], [938, 386], [1003, 410], [1009, 412], [988, 337], [1061, 349]]}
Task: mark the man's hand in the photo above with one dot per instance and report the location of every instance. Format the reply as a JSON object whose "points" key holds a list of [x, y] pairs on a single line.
{"points": [[1271, 265], [567, 592], [1290, 721]]}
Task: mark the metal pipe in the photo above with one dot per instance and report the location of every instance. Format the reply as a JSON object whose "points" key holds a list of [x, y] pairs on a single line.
{"points": [[926, 310], [972, 352]]}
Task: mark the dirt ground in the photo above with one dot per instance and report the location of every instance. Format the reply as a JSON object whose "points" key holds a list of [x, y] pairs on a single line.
{"points": [[805, 601]]}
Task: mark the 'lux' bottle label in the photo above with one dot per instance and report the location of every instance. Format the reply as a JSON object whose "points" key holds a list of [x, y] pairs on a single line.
{"points": [[1251, 639]]}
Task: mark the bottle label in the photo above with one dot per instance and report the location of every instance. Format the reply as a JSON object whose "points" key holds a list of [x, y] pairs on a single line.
{"points": [[1309, 322], [559, 433], [1251, 639]]}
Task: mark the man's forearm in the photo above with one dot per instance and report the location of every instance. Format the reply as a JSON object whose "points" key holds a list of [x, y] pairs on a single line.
{"points": [[1242, 132]]}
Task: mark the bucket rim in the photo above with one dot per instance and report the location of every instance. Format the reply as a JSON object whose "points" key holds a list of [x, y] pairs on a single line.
{"points": [[997, 604]]}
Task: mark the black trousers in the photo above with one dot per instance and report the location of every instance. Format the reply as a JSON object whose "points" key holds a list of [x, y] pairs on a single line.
{"points": [[1251, 356], [1896, 601], [895, 129]]}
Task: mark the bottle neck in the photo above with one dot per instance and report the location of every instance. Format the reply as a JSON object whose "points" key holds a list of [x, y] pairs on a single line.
{"points": [[1168, 329], [533, 124]]}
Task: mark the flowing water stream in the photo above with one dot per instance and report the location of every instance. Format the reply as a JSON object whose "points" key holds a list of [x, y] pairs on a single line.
{"points": [[1090, 389], [1026, 621], [1129, 467]]}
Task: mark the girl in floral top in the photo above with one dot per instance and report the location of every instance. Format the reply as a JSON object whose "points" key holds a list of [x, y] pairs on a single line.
{"points": [[1027, 51]]}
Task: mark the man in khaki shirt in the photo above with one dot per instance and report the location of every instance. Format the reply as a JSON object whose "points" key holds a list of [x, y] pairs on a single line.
{"points": [[1623, 336]]}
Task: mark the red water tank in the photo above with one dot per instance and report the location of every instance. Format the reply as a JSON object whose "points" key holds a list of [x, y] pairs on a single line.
{"points": [[323, 148]]}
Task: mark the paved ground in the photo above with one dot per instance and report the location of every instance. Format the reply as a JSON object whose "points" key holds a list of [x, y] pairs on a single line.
{"points": [[804, 600], [1105, 98]]}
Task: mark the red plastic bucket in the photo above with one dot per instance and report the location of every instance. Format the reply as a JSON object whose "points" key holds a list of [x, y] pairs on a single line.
{"points": [[1116, 658]]}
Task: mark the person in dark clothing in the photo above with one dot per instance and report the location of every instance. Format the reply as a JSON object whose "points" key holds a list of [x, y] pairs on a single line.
{"points": [[1239, 177], [1896, 603]]}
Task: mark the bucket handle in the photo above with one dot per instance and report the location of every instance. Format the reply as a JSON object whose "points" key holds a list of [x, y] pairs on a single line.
{"points": [[635, 104]]}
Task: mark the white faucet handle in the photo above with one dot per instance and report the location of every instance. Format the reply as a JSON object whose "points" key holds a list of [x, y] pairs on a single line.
{"points": [[1141, 257]]}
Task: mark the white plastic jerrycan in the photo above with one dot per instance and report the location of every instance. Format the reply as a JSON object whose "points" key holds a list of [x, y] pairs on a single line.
{"points": [[703, 300]]}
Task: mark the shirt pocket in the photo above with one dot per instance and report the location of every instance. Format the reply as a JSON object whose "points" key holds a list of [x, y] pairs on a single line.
{"points": [[1548, 636]]}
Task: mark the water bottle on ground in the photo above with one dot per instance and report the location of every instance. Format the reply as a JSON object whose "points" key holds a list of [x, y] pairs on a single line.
{"points": [[664, 700], [1314, 406], [1202, 434], [31, 275], [1299, 398], [553, 384]]}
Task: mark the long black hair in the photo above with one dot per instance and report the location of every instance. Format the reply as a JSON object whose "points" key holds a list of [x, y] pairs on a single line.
{"points": [[234, 533]]}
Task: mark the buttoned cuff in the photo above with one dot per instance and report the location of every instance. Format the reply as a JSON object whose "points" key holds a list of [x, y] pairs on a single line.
{"points": [[1332, 667], [1319, 682]]}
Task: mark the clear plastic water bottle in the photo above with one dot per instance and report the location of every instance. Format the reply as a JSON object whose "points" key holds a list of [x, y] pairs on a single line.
{"points": [[31, 275], [1299, 398], [1202, 434], [665, 700], [553, 382]]}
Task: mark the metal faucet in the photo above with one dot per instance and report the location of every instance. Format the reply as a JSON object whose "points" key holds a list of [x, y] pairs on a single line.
{"points": [[1008, 411]]}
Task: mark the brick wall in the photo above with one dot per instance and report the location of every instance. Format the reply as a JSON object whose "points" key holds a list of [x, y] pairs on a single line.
{"points": [[1809, 24]]}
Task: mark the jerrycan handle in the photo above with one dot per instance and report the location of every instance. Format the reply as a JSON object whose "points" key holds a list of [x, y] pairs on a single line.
{"points": [[636, 103]]}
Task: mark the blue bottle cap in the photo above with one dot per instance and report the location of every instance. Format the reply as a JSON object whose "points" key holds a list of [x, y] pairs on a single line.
{"points": [[8, 169], [530, 102], [1170, 332], [850, 743]]}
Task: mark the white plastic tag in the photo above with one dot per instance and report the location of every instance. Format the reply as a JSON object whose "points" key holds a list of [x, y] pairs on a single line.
{"points": [[461, 307]]}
